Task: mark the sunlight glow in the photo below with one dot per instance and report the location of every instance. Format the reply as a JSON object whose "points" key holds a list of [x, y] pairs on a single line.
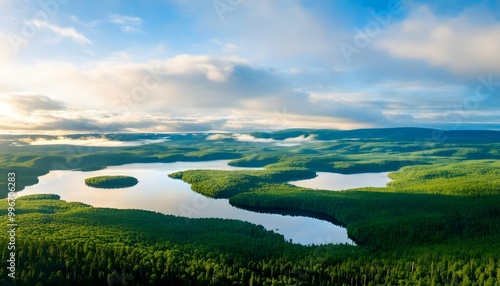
{"points": [[7, 110]]}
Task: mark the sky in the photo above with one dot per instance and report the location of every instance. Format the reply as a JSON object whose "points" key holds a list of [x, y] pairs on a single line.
{"points": [[69, 66]]}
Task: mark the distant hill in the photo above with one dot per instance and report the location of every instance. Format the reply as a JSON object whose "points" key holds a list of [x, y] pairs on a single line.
{"points": [[402, 133]]}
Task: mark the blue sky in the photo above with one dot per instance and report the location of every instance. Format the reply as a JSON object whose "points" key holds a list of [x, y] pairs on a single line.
{"points": [[239, 65]]}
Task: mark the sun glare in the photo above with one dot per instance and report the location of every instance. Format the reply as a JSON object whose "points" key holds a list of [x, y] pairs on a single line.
{"points": [[6, 110]]}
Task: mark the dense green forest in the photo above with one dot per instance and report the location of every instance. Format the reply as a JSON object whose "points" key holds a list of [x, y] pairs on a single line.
{"points": [[436, 223], [64, 243], [111, 182]]}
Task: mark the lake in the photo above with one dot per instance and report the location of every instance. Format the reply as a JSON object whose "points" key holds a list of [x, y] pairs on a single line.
{"points": [[337, 182], [157, 192]]}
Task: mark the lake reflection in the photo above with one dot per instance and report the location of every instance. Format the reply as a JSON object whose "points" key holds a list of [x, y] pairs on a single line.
{"points": [[157, 192], [337, 182]]}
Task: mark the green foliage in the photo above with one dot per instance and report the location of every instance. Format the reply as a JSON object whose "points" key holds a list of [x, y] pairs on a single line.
{"points": [[354, 151], [42, 197], [385, 220], [77, 244], [256, 160], [437, 223], [111, 182], [225, 184], [468, 178]]}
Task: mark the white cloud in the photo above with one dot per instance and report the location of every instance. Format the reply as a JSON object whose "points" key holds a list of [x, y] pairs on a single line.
{"points": [[250, 138], [226, 46], [27, 103], [67, 32], [215, 69], [119, 57], [89, 25], [85, 121], [219, 136], [184, 84], [130, 29], [291, 141], [6, 51], [89, 141], [230, 48], [284, 29], [276, 30], [125, 20], [128, 24], [466, 43], [187, 80], [301, 138], [211, 93]]}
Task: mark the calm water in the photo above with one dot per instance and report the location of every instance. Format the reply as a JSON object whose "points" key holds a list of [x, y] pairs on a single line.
{"points": [[337, 182], [157, 192]]}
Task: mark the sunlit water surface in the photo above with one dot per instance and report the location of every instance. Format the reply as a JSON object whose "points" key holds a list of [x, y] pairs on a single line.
{"points": [[337, 182], [157, 192]]}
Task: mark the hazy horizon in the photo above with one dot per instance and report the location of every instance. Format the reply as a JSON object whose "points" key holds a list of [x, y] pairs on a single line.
{"points": [[234, 132]]}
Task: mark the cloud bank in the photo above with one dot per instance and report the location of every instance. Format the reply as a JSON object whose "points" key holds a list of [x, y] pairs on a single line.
{"points": [[169, 66]]}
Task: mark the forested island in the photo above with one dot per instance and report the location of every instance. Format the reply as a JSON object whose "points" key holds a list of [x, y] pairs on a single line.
{"points": [[111, 182], [436, 223]]}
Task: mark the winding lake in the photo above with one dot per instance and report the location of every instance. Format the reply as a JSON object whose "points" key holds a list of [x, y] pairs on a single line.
{"points": [[157, 192], [337, 182]]}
